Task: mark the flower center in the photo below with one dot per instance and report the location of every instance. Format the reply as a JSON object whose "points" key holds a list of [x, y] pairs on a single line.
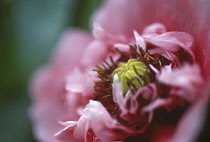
{"points": [[133, 71], [133, 74]]}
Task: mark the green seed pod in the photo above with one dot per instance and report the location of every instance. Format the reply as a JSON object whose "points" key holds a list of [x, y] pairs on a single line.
{"points": [[133, 74]]}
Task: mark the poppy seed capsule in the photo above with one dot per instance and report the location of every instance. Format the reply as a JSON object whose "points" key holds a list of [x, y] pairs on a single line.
{"points": [[133, 75]]}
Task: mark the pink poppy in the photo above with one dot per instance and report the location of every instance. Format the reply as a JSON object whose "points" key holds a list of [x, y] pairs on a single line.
{"points": [[141, 76]]}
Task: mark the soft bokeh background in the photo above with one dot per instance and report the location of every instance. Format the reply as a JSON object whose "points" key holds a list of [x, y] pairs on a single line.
{"points": [[29, 30]]}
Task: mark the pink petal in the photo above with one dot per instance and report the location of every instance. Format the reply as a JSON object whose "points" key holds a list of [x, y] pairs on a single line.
{"points": [[122, 47], [94, 54], [188, 78], [182, 77], [158, 103], [48, 85], [66, 134], [107, 37], [191, 123], [125, 16], [173, 41], [71, 49], [190, 16], [118, 97], [139, 40], [94, 117], [153, 30], [45, 99], [76, 82], [168, 55]]}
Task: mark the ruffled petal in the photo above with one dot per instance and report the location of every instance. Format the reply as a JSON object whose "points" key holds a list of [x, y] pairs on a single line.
{"points": [[190, 16], [48, 85], [188, 78], [155, 28], [173, 41], [94, 117], [66, 134]]}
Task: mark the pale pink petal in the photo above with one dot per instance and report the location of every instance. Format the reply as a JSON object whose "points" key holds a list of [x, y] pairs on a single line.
{"points": [[81, 82], [100, 34], [140, 41], [118, 97], [153, 30], [182, 77], [148, 93], [94, 54], [48, 85], [76, 81], [188, 78], [158, 103], [71, 49], [173, 41], [45, 99], [66, 134], [122, 47], [94, 117]]}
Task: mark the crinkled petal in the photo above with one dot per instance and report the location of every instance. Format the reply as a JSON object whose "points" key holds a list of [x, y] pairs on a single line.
{"points": [[94, 117], [48, 84], [153, 30], [66, 134], [190, 16], [173, 41], [188, 78]]}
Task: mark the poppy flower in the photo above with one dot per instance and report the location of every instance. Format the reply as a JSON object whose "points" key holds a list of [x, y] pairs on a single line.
{"points": [[141, 76]]}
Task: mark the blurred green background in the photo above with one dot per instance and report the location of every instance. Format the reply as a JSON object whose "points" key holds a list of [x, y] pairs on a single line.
{"points": [[29, 30]]}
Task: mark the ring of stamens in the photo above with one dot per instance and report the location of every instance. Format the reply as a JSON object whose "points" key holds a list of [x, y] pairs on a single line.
{"points": [[137, 64]]}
